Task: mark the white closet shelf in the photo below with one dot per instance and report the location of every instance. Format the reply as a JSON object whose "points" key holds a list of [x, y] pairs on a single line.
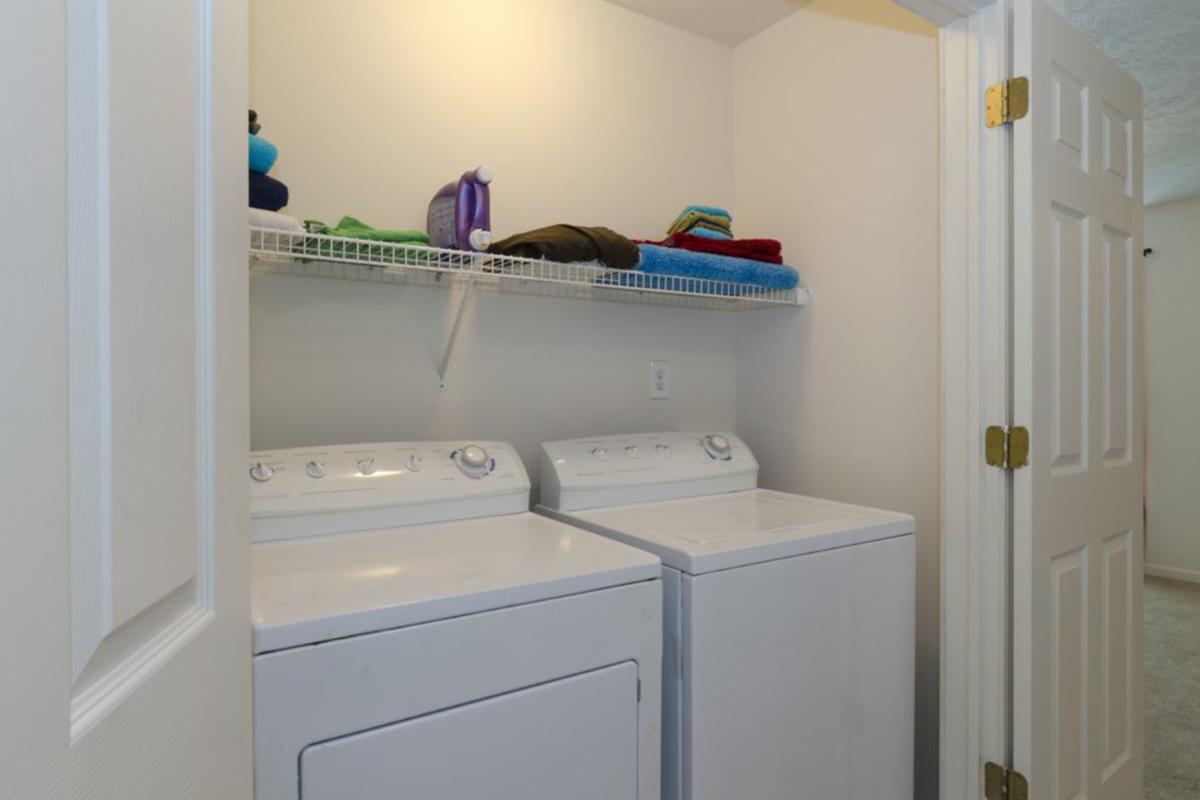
{"points": [[319, 255]]}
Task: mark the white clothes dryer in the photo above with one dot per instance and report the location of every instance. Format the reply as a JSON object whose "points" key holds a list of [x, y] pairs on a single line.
{"points": [[788, 667], [417, 632]]}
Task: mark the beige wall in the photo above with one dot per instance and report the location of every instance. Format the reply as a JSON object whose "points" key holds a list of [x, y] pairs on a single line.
{"points": [[1173, 390], [833, 157], [587, 113]]}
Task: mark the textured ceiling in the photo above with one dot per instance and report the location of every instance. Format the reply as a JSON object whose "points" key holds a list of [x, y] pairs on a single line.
{"points": [[728, 21], [1158, 43]]}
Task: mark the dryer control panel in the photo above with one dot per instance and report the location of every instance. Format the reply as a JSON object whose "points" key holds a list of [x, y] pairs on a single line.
{"points": [[309, 491], [644, 467]]}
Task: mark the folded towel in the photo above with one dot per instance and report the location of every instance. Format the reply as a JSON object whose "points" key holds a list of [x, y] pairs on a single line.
{"points": [[684, 224], [352, 228], [707, 233], [711, 210], [571, 243], [262, 155], [718, 231], [267, 192], [658, 260], [261, 218], [768, 250], [717, 219]]}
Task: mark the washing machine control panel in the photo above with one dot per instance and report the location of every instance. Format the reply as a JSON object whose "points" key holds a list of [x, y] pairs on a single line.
{"points": [[612, 470], [384, 484]]}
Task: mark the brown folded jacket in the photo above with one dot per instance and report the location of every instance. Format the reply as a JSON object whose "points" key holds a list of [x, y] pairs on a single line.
{"points": [[569, 243]]}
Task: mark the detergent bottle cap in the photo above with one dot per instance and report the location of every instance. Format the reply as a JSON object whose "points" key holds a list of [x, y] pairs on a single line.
{"points": [[481, 239], [484, 175]]}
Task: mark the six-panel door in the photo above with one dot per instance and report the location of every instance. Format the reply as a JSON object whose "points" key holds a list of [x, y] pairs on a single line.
{"points": [[1077, 386]]}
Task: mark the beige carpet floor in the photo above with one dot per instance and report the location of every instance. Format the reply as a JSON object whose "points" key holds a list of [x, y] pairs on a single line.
{"points": [[1172, 659]]}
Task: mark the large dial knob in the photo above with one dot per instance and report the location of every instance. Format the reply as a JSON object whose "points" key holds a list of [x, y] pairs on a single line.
{"points": [[717, 446], [315, 469], [474, 461], [414, 462], [366, 465], [262, 472]]}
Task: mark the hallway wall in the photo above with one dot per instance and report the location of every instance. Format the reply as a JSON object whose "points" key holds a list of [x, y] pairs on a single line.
{"points": [[1172, 285]]}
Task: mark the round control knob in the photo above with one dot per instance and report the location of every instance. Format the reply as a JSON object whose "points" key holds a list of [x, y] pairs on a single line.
{"points": [[315, 469], [366, 466], [631, 450], [262, 472], [717, 446], [600, 453], [662, 449], [415, 463], [474, 461]]}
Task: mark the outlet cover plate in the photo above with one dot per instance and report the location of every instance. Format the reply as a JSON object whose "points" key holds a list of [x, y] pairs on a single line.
{"points": [[660, 380]]}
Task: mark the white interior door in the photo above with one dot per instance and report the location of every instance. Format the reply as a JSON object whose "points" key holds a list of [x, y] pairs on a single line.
{"points": [[1077, 385], [125, 652]]}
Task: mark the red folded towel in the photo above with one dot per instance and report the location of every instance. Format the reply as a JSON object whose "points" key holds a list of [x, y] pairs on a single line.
{"points": [[768, 250]]}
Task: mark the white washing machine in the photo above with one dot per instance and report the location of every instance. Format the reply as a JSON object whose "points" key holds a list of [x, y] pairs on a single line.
{"points": [[788, 668], [419, 633]]}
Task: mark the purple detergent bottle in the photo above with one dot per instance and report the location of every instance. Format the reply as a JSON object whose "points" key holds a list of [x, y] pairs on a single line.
{"points": [[460, 214]]}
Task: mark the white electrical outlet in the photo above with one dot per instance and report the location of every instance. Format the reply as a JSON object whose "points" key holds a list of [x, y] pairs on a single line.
{"points": [[660, 380]]}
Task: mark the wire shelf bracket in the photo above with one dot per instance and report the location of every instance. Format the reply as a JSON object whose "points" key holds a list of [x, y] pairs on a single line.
{"points": [[448, 350]]}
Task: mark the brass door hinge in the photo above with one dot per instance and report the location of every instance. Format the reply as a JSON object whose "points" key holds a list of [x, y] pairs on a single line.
{"points": [[1007, 101], [1002, 783], [1005, 447]]}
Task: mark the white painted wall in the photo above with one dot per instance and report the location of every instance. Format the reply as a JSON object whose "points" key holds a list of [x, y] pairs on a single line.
{"points": [[338, 361], [841, 401], [1172, 285], [587, 112]]}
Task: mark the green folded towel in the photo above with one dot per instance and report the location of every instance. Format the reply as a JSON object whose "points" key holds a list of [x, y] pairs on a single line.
{"points": [[352, 228]]}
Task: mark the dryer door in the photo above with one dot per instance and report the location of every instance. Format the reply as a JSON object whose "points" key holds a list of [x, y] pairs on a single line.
{"points": [[576, 737]]}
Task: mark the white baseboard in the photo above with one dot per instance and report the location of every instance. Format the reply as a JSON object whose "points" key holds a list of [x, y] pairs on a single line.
{"points": [[1172, 573]]}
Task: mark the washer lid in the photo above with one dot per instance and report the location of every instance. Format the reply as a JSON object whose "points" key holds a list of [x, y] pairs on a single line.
{"points": [[704, 534], [306, 591]]}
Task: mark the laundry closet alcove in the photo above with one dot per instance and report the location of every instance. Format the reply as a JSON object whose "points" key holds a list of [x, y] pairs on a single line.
{"points": [[814, 123]]}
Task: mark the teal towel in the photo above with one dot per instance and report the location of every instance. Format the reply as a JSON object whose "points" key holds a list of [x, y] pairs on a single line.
{"points": [[708, 233], [262, 155]]}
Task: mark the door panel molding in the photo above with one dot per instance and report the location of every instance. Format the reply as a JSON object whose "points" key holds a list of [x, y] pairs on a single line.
{"points": [[88, 280], [1118, 648], [142, 532]]}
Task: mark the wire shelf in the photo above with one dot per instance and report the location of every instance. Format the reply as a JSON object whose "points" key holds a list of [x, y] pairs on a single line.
{"points": [[320, 255]]}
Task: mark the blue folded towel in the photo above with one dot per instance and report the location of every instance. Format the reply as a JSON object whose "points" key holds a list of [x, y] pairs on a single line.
{"points": [[718, 212], [689, 264], [262, 155], [707, 233]]}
